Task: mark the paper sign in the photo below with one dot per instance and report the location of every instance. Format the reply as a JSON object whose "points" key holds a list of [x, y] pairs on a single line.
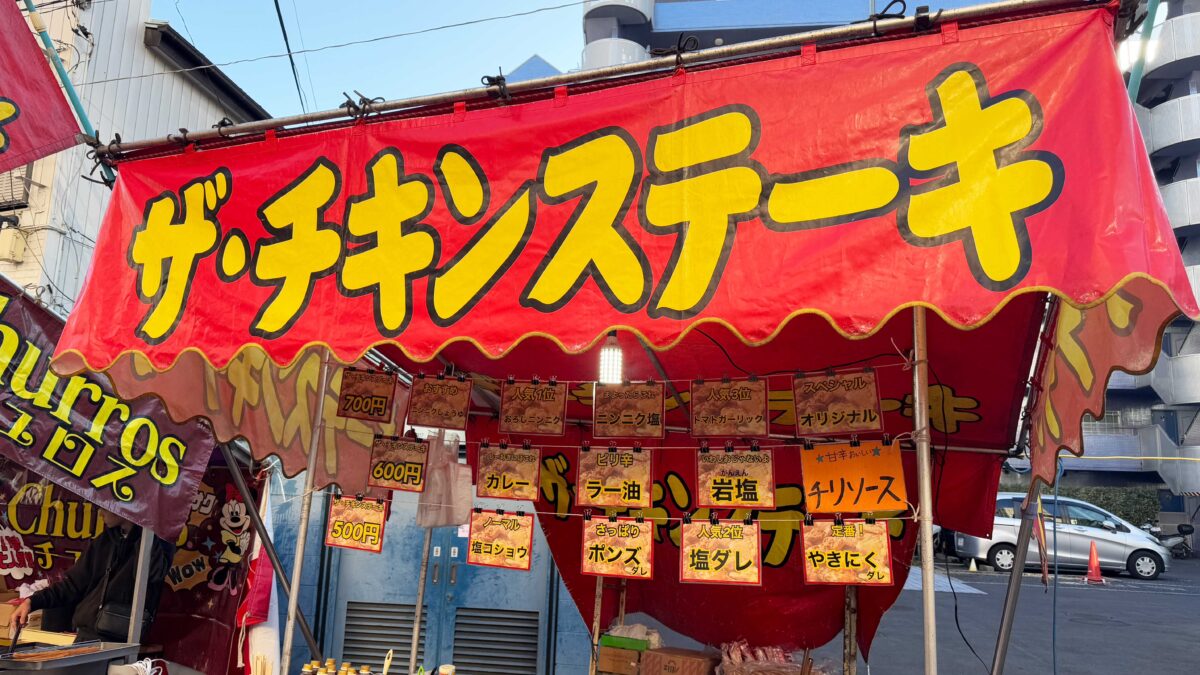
{"points": [[16, 559], [366, 395], [618, 547], [729, 408], [500, 539], [618, 478], [855, 552], [632, 410], [841, 403], [508, 473], [847, 478], [442, 403], [356, 523], [528, 408], [725, 552], [736, 479], [398, 464]]}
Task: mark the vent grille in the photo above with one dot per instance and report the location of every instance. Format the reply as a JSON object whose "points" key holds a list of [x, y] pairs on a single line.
{"points": [[373, 628], [14, 188], [495, 642]]}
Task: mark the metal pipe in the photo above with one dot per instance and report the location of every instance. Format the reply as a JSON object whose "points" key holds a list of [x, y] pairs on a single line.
{"points": [[268, 546], [662, 372], [1139, 64], [924, 483], [420, 605], [141, 581], [663, 63], [596, 625], [65, 79], [289, 631], [1028, 514], [850, 633]]}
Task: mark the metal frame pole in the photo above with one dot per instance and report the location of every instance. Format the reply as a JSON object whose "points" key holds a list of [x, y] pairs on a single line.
{"points": [[924, 483], [850, 633], [141, 582], [420, 605], [1028, 514], [268, 546], [1139, 64], [596, 625], [289, 631]]}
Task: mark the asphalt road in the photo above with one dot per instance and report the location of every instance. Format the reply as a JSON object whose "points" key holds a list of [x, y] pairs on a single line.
{"points": [[1125, 627]]}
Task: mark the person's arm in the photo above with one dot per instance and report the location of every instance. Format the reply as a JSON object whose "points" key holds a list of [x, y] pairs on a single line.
{"points": [[162, 554], [71, 588]]}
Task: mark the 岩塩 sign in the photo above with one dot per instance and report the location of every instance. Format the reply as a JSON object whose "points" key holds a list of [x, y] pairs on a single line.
{"points": [[398, 464], [720, 552], [499, 539], [735, 479], [837, 403], [853, 477], [618, 547], [533, 408], [356, 523], [439, 402], [855, 552], [507, 473], [614, 478], [729, 408], [630, 410], [366, 395]]}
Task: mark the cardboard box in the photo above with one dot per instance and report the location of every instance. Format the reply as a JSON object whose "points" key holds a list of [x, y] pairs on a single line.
{"points": [[670, 661], [617, 660]]}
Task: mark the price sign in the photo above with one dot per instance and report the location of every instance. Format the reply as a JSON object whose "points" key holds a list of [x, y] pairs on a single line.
{"points": [[729, 408], [499, 539], [366, 395], [724, 552], [614, 477], [851, 478], [398, 464], [533, 408], [16, 559], [854, 552], [508, 473], [840, 403], [356, 523], [633, 410], [736, 479], [439, 402], [618, 547]]}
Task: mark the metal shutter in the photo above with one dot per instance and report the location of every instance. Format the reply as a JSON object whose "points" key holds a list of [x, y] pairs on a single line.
{"points": [[495, 642], [372, 628]]}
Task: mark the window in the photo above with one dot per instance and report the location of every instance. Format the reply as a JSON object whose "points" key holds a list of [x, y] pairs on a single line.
{"points": [[1085, 516], [1008, 507]]}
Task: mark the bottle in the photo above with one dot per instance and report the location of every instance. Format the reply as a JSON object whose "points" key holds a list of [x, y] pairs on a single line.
{"points": [[364, 670], [307, 669]]}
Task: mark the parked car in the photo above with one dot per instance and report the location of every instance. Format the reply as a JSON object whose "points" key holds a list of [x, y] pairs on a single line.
{"points": [[1120, 545]]}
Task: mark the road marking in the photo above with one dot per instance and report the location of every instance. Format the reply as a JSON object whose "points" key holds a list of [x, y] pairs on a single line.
{"points": [[941, 584]]}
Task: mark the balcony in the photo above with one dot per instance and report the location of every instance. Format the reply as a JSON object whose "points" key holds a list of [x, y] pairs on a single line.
{"points": [[1181, 476], [1182, 200], [612, 52], [1172, 129], [1176, 51], [1176, 379]]}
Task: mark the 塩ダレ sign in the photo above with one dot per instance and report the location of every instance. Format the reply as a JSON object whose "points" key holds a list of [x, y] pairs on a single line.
{"points": [[720, 552], [630, 410], [855, 552], [836, 403], [614, 477], [356, 523], [366, 395], [736, 479], [853, 477], [618, 547], [729, 408], [533, 408], [499, 539], [439, 402], [398, 464], [507, 473]]}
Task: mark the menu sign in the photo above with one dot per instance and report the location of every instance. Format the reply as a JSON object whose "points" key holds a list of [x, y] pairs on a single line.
{"points": [[508, 473], [499, 539], [855, 552], [618, 547], [366, 395], [439, 402], [614, 478], [631, 410], [853, 477], [836, 403], [720, 552], [736, 479], [398, 464], [356, 524], [533, 408], [729, 408]]}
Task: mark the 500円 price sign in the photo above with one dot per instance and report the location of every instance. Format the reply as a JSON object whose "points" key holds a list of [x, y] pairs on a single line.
{"points": [[398, 464], [356, 523]]}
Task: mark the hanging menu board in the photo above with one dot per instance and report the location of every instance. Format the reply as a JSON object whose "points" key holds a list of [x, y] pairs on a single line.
{"points": [[356, 523], [854, 552], [630, 410], [440, 402], [729, 408], [366, 395], [836, 403], [721, 552], [398, 464], [532, 407], [736, 479], [853, 478], [614, 478], [499, 539], [508, 473], [618, 547]]}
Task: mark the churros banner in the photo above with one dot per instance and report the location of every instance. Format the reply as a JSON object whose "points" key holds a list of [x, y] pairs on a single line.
{"points": [[809, 182]]}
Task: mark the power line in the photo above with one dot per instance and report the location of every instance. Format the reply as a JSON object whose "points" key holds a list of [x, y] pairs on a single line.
{"points": [[351, 43], [312, 89], [291, 58]]}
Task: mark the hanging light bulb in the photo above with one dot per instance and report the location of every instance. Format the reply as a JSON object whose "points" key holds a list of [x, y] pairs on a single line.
{"points": [[612, 360]]}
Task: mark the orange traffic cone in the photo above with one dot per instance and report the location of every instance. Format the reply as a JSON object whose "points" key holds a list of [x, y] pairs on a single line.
{"points": [[1093, 573]]}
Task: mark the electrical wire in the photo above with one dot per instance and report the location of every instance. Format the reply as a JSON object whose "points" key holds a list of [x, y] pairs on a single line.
{"points": [[351, 43], [287, 44], [1054, 598]]}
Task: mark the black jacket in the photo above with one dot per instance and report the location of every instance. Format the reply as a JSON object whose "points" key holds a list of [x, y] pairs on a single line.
{"points": [[82, 585]]}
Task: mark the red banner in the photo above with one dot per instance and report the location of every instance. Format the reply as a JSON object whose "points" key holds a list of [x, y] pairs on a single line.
{"points": [[963, 176], [34, 118]]}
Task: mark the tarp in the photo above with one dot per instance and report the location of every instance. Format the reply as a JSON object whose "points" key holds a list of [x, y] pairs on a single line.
{"points": [[124, 454], [34, 118]]}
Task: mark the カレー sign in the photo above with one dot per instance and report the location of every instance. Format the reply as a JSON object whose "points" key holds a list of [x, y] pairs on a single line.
{"points": [[618, 547], [439, 402], [853, 477], [729, 408], [356, 523], [836, 403], [614, 478], [507, 473], [854, 552], [720, 552], [398, 464], [736, 479], [499, 539], [366, 395], [630, 410], [533, 408]]}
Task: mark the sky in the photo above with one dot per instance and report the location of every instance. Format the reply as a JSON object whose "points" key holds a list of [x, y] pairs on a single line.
{"points": [[442, 60]]}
